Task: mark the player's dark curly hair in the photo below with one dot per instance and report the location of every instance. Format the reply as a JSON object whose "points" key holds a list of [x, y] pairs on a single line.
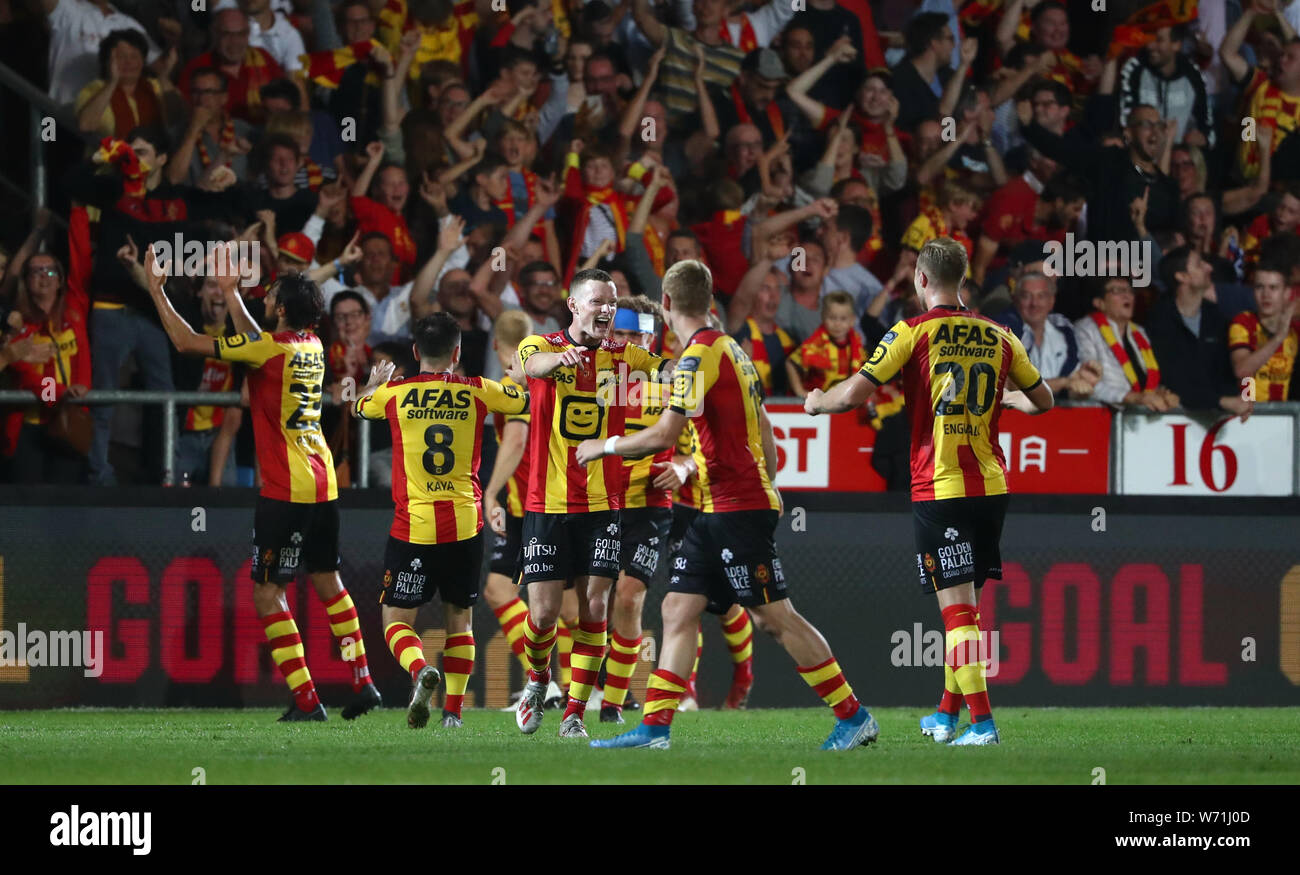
{"points": [[301, 298]]}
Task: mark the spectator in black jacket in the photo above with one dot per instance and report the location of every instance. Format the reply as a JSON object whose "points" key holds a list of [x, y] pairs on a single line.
{"points": [[1190, 337], [1118, 176], [1163, 77]]}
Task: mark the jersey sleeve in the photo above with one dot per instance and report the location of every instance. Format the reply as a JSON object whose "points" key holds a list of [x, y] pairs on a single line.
{"points": [[695, 374], [251, 348], [373, 405], [1238, 335], [917, 233], [533, 343], [501, 398], [640, 360], [889, 356], [1022, 373]]}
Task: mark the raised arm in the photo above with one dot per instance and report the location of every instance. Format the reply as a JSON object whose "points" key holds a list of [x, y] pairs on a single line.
{"points": [[374, 155], [450, 238], [1230, 48], [952, 91], [631, 120], [183, 337], [1010, 23], [654, 32], [841, 50]]}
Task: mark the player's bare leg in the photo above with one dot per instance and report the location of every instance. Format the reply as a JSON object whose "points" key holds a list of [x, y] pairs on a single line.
{"points": [[557, 694], [820, 670], [625, 620], [588, 650], [681, 617], [962, 656], [407, 649], [457, 661], [544, 598], [287, 651], [346, 628]]}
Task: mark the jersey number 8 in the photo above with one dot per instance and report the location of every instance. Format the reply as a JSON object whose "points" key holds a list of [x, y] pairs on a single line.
{"points": [[438, 439]]}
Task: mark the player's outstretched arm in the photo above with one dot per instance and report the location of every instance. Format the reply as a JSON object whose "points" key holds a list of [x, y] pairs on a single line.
{"points": [[655, 439], [1034, 401], [541, 365], [183, 337], [847, 395]]}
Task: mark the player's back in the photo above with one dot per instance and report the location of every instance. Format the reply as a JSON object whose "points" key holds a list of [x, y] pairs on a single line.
{"points": [[955, 365], [717, 385], [437, 423], [285, 382]]}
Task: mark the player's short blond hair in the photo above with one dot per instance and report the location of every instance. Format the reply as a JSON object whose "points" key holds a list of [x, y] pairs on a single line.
{"points": [[943, 260], [688, 285], [511, 327]]}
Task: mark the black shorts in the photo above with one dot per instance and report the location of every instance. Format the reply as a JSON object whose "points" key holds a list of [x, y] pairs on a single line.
{"points": [[414, 572], [562, 546], [957, 540], [730, 558], [683, 516], [289, 537], [505, 549], [645, 542]]}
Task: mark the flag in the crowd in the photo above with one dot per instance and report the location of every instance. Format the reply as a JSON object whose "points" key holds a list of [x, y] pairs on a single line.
{"points": [[1141, 24], [326, 68]]}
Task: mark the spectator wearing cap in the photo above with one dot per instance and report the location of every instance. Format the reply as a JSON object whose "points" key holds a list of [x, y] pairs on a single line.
{"points": [[1190, 336], [213, 137], [205, 443], [77, 30], [247, 68], [54, 317], [292, 205], [1110, 337], [294, 252], [725, 40], [754, 98], [123, 97], [1049, 337]]}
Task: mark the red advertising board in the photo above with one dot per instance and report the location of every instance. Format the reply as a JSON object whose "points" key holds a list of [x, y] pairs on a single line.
{"points": [[1064, 451]]}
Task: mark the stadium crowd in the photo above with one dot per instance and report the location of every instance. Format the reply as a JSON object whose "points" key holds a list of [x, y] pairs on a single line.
{"points": [[423, 155]]}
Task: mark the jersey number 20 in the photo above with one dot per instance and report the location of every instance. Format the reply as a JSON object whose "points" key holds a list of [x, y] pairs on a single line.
{"points": [[979, 392]]}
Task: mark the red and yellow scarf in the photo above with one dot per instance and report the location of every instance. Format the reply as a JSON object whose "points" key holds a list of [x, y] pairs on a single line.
{"points": [[826, 362], [326, 68], [774, 117], [1117, 350], [129, 114], [225, 144], [748, 39], [134, 173], [758, 354]]}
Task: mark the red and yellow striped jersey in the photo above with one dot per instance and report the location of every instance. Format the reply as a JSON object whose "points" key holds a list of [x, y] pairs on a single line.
{"points": [[717, 385], [1280, 110], [646, 404], [1273, 379], [688, 441], [517, 485], [955, 365], [572, 405], [287, 370], [437, 423]]}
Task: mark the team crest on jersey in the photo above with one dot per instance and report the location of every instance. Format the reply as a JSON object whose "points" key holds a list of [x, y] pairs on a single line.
{"points": [[388, 578], [890, 337], [295, 538], [268, 556], [727, 555], [416, 563], [761, 574], [950, 533], [929, 562]]}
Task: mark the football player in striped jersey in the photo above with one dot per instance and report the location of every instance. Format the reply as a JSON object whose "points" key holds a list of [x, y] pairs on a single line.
{"points": [[956, 366]]}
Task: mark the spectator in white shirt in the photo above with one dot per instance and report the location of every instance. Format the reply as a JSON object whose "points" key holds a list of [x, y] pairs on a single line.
{"points": [[1128, 380], [1049, 338], [271, 31]]}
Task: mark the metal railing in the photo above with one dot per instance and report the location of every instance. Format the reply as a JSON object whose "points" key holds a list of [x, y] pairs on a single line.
{"points": [[40, 106], [170, 401]]}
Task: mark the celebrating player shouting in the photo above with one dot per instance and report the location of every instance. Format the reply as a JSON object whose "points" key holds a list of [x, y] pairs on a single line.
{"points": [[571, 523], [297, 518], [729, 554], [435, 543], [955, 366]]}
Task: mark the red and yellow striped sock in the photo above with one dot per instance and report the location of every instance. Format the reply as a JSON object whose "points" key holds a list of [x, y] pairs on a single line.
{"points": [[538, 644], [511, 617], [952, 697], [588, 650], [962, 656], [405, 646], [286, 650], [739, 633], [564, 645], [347, 632], [828, 682], [457, 666], [619, 667], [663, 694]]}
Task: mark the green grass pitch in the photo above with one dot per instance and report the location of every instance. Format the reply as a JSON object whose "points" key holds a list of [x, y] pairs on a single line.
{"points": [[1040, 745]]}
